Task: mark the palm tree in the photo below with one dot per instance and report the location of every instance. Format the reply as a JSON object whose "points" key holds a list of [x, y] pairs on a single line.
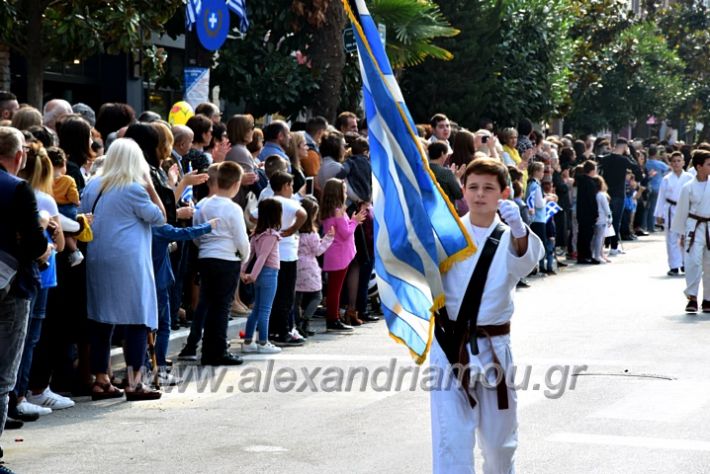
{"points": [[412, 25]]}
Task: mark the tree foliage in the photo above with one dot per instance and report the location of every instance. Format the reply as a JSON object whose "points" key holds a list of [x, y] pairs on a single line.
{"points": [[45, 30]]}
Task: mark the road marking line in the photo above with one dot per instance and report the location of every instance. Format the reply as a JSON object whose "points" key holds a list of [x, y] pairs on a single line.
{"points": [[631, 441]]}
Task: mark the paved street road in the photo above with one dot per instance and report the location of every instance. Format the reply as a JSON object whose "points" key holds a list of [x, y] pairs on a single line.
{"points": [[640, 406]]}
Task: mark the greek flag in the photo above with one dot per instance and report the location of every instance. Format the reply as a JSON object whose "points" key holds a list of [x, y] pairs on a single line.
{"points": [[418, 234], [187, 195], [238, 7], [530, 201], [551, 208]]}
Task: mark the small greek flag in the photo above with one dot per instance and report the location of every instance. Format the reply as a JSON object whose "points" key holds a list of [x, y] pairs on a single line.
{"points": [[551, 208], [530, 201], [187, 195], [238, 7]]}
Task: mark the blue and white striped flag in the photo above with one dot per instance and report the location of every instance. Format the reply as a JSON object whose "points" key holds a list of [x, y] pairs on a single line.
{"points": [[551, 208], [418, 234], [530, 201], [187, 195], [238, 7]]}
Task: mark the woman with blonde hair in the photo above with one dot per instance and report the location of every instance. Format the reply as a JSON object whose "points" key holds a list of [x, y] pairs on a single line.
{"points": [[296, 150], [27, 117], [119, 268]]}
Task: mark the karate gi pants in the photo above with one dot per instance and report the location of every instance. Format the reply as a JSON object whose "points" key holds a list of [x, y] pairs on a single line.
{"points": [[454, 424], [697, 264], [674, 250]]}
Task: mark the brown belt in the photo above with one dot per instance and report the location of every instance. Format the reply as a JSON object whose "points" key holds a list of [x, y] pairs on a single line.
{"points": [[447, 336], [699, 220], [501, 387]]}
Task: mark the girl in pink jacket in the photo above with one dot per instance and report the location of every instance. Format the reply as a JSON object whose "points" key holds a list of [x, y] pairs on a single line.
{"points": [[309, 280], [339, 255], [263, 271]]}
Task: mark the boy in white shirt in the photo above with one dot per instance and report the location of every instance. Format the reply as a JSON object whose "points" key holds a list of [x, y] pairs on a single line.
{"points": [[668, 195], [488, 407], [219, 261]]}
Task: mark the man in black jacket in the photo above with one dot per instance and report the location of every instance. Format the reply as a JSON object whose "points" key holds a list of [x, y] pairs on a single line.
{"points": [[613, 168], [22, 238], [586, 211]]}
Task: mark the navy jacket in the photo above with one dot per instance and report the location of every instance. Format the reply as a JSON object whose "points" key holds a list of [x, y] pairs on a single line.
{"points": [[162, 236], [20, 233]]}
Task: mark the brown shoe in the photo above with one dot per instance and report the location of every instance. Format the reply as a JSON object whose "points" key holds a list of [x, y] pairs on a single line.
{"points": [[692, 306], [352, 319], [142, 392], [705, 306]]}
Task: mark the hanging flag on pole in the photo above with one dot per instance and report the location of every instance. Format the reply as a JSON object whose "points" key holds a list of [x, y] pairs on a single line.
{"points": [[193, 9], [418, 233]]}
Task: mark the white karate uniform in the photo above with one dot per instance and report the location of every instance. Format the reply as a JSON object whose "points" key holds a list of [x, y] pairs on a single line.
{"points": [[454, 422], [670, 190], [694, 199]]}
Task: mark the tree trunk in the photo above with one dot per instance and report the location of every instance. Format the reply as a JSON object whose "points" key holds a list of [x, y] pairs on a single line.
{"points": [[328, 59], [34, 57]]}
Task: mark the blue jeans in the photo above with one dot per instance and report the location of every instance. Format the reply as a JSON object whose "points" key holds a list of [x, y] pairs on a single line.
{"points": [[38, 310], [14, 313], [264, 292], [617, 210], [650, 223], [163, 336]]}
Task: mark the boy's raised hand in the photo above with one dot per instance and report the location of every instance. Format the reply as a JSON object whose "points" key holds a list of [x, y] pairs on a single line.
{"points": [[510, 213]]}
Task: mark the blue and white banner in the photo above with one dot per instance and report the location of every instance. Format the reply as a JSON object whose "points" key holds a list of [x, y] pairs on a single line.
{"points": [[418, 233]]}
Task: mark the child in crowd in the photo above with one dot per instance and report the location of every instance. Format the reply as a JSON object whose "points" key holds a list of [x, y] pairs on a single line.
{"points": [[339, 255], [272, 165], [263, 271], [220, 255], [536, 207], [308, 281], [163, 236], [66, 194], [603, 222]]}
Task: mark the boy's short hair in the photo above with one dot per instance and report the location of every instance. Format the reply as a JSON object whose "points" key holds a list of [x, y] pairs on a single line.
{"points": [[588, 166], [280, 179], [56, 156], [212, 172], [487, 166], [534, 167], [229, 173], [699, 157], [274, 163], [436, 150]]}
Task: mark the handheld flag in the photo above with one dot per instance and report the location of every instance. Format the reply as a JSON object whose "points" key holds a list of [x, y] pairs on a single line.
{"points": [[530, 201], [417, 231], [551, 208]]}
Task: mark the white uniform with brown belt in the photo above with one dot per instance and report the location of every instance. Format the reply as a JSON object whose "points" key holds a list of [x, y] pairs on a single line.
{"points": [[692, 217], [454, 423], [668, 195]]}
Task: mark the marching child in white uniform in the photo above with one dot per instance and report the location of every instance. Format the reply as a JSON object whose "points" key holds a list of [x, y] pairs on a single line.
{"points": [[691, 220], [487, 407], [668, 195]]}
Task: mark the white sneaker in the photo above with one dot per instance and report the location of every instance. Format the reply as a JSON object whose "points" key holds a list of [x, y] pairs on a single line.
{"points": [[249, 348], [167, 379], [75, 258], [27, 408], [614, 252], [268, 348], [51, 400], [296, 335]]}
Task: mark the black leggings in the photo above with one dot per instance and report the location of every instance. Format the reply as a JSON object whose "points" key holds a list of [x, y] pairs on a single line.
{"points": [[135, 345]]}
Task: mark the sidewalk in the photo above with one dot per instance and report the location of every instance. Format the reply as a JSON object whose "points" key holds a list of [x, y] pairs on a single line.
{"points": [[178, 338]]}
